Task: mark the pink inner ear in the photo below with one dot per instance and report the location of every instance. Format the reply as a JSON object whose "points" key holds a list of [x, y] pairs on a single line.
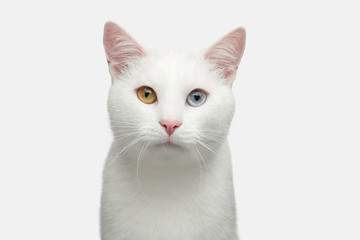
{"points": [[120, 47], [226, 53]]}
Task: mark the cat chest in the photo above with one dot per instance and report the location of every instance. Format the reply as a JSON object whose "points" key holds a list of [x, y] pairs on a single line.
{"points": [[165, 221]]}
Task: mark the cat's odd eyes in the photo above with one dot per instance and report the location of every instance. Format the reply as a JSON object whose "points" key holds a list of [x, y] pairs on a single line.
{"points": [[146, 95], [195, 98]]}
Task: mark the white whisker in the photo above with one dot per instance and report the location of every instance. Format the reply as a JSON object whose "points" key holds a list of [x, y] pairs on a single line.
{"points": [[215, 131], [143, 149], [125, 125], [213, 139], [201, 157], [124, 149], [196, 159], [205, 146], [122, 136]]}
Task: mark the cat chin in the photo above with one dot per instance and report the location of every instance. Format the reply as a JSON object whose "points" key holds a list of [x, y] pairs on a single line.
{"points": [[169, 145]]}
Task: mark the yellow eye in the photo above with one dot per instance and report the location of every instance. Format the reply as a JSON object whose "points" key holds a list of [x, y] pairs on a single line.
{"points": [[146, 95]]}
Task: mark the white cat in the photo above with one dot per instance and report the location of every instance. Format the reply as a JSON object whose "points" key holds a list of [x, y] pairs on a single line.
{"points": [[168, 174]]}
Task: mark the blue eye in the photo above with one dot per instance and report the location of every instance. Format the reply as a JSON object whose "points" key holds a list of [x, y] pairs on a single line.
{"points": [[196, 98]]}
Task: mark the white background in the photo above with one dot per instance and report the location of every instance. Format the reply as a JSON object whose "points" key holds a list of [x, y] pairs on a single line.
{"points": [[295, 138]]}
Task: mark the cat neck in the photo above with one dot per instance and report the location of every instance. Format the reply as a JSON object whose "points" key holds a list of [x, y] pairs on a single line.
{"points": [[171, 173]]}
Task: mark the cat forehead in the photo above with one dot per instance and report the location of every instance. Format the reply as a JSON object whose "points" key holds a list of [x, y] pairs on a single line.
{"points": [[169, 68]]}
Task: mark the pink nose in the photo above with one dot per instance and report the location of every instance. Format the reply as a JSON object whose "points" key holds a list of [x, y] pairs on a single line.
{"points": [[170, 126]]}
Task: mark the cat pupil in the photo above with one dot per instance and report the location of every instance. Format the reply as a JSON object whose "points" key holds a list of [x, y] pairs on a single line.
{"points": [[197, 97], [147, 92]]}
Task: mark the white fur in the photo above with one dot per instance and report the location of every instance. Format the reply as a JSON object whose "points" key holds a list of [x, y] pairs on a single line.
{"points": [[161, 191]]}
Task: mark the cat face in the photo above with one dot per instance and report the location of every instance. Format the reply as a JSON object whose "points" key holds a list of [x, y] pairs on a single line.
{"points": [[170, 99]]}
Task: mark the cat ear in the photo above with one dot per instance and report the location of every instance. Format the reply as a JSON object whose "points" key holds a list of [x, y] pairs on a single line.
{"points": [[120, 48], [227, 52]]}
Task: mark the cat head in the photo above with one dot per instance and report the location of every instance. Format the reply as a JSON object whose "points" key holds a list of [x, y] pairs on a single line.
{"points": [[171, 99]]}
